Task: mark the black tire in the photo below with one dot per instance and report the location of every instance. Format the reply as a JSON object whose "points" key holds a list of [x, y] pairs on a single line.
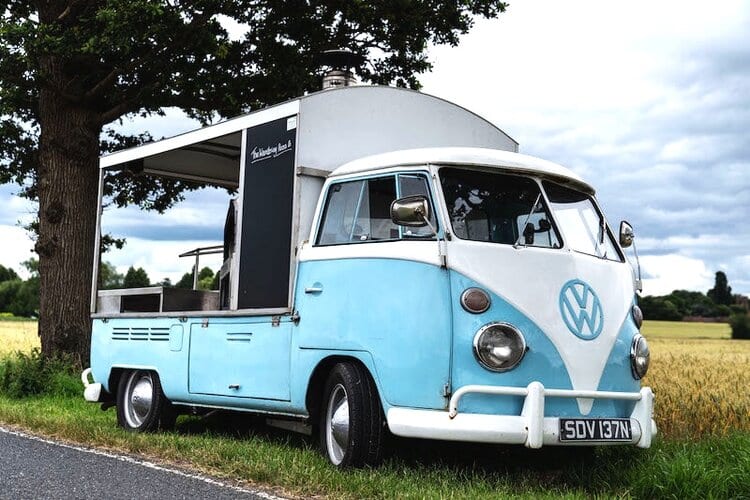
{"points": [[357, 439], [141, 403]]}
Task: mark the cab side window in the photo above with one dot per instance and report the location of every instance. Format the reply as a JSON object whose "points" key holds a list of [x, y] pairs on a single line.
{"points": [[411, 185], [359, 211]]}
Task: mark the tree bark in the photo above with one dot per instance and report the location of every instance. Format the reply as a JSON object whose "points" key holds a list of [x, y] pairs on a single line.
{"points": [[67, 180]]}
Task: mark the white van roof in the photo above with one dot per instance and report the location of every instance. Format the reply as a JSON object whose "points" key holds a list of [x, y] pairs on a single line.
{"points": [[502, 160], [333, 127]]}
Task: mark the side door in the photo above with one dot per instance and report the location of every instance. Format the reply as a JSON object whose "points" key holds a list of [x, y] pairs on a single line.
{"points": [[367, 284], [248, 358]]}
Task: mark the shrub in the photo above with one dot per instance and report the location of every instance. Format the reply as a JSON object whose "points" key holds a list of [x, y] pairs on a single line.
{"points": [[23, 375], [740, 324]]}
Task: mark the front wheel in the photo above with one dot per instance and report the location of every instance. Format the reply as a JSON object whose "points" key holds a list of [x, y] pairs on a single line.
{"points": [[351, 420], [141, 404]]}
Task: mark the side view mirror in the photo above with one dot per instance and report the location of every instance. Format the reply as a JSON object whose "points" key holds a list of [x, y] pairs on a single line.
{"points": [[626, 234], [411, 211]]}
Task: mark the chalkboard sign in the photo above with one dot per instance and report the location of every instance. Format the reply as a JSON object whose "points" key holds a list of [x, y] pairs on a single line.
{"points": [[267, 201]]}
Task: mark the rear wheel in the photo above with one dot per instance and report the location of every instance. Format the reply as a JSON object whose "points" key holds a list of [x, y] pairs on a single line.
{"points": [[351, 419], [141, 404]]}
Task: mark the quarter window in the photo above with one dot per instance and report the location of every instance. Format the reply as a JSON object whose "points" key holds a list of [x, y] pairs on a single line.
{"points": [[412, 185], [360, 211]]}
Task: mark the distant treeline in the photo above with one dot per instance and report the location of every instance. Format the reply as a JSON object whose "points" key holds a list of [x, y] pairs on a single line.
{"points": [[20, 297], [681, 304], [109, 279], [718, 302]]}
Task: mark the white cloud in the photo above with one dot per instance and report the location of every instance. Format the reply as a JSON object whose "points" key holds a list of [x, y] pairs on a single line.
{"points": [[674, 272], [647, 100], [16, 249], [161, 259]]}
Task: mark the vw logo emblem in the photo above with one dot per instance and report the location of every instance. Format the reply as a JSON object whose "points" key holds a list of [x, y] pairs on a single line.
{"points": [[581, 310]]}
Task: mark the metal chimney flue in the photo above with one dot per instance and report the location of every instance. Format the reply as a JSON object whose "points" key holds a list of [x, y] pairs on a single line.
{"points": [[339, 62]]}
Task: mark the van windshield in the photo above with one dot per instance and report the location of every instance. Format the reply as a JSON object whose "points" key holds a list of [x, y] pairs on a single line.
{"points": [[497, 208], [584, 228]]}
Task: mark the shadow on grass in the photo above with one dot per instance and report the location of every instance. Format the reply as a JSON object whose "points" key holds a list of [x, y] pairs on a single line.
{"points": [[565, 468]]}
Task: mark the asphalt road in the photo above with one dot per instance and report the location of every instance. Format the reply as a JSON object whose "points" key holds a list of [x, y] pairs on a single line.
{"points": [[35, 468]]}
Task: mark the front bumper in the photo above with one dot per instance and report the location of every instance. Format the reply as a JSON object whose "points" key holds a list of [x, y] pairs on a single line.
{"points": [[531, 428]]}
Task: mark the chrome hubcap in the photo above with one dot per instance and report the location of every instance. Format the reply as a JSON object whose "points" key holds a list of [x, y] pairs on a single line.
{"points": [[139, 394], [337, 424]]}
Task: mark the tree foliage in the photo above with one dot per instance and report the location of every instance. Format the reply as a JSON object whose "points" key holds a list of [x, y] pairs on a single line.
{"points": [[6, 273], [109, 278], [19, 297], [740, 324], [717, 303], [137, 57], [721, 293], [136, 278], [207, 280], [68, 68]]}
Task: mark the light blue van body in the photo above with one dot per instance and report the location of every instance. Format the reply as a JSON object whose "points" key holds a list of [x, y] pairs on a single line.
{"points": [[406, 340]]}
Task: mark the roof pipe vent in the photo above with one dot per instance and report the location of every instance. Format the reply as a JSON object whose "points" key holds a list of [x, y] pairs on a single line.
{"points": [[339, 62]]}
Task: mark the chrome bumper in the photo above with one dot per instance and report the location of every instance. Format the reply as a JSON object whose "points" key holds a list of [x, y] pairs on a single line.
{"points": [[92, 392], [531, 428]]}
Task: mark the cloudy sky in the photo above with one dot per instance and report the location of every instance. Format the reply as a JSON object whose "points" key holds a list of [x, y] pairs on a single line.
{"points": [[649, 101]]}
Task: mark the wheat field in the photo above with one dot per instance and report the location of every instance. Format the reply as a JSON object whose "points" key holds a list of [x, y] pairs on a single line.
{"points": [[17, 336], [701, 378]]}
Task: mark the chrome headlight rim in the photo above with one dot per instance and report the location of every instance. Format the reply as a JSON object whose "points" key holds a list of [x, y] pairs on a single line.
{"points": [[505, 326], [639, 348], [637, 315]]}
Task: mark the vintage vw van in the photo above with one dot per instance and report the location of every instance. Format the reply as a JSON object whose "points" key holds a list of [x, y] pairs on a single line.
{"points": [[445, 287]]}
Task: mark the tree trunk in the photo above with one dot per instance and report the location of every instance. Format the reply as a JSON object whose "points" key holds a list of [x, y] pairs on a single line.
{"points": [[67, 187]]}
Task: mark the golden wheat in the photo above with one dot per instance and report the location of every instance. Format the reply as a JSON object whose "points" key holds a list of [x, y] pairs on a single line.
{"points": [[702, 386], [17, 336], [701, 378]]}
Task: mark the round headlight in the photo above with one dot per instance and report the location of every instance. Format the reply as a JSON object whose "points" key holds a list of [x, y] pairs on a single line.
{"points": [[475, 300], [637, 316], [499, 346], [639, 356]]}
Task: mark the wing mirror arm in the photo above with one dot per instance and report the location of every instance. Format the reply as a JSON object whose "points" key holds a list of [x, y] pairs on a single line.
{"points": [[627, 239], [412, 211]]}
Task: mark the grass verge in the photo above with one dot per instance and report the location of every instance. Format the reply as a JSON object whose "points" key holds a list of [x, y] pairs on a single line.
{"points": [[237, 447]]}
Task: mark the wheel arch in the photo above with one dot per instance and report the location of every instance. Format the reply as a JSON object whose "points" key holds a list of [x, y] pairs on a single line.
{"points": [[320, 373], [118, 370]]}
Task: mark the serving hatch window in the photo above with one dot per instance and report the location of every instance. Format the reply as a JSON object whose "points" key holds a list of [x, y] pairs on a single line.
{"points": [[497, 208]]}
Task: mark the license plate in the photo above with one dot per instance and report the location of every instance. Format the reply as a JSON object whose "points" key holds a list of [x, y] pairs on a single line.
{"points": [[595, 429]]}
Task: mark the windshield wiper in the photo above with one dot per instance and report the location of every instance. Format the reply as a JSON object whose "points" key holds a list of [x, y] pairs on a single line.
{"points": [[533, 207]]}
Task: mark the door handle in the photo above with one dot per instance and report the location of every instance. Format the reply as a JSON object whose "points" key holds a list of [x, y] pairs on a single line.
{"points": [[234, 386], [315, 289]]}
